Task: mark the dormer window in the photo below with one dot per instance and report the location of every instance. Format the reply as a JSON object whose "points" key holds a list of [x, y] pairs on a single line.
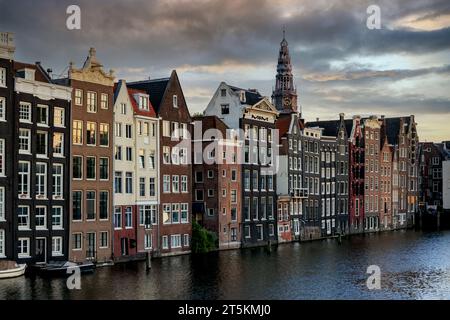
{"points": [[143, 102], [175, 101]]}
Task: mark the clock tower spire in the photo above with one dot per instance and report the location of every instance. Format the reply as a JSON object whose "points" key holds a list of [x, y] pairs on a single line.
{"points": [[284, 96]]}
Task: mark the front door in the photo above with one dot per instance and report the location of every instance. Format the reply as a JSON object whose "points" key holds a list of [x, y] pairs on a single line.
{"points": [[90, 245], [41, 250], [124, 246]]}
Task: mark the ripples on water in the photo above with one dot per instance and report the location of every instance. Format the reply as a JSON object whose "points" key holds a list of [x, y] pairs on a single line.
{"points": [[414, 265]]}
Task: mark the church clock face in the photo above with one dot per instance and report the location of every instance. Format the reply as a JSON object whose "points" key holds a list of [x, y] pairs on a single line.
{"points": [[287, 102]]}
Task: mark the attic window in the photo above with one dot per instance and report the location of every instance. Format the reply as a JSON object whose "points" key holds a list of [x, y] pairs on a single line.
{"points": [[223, 92], [175, 101], [225, 108], [143, 102]]}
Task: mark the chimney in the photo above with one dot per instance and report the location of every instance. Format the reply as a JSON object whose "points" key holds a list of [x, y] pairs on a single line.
{"points": [[317, 119], [7, 47], [341, 116]]}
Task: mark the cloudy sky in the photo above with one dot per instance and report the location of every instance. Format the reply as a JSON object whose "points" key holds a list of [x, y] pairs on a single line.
{"points": [[339, 64]]}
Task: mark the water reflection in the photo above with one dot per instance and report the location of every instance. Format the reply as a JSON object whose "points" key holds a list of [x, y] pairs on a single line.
{"points": [[414, 265]]}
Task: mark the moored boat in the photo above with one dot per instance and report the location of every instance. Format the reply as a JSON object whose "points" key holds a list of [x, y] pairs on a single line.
{"points": [[10, 269], [64, 268]]}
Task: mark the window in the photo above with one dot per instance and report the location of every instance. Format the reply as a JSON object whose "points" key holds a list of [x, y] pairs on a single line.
{"points": [[104, 168], [199, 176], [186, 240], [225, 108], [41, 217], [199, 195], [2, 243], [184, 184], [90, 205], [175, 213], [259, 232], [118, 153], [104, 239], [129, 154], [233, 196], [166, 128], [104, 101], [23, 248], [223, 92], [210, 193], [143, 102], [58, 144], [58, 117], [118, 217], [118, 182], [128, 217], [104, 204], [24, 141], [77, 244], [42, 115], [41, 143], [141, 158], [166, 213], [255, 208], [184, 213], [123, 108], [77, 132], [118, 129], [91, 128], [24, 112], [56, 246], [128, 131], [91, 102], [2, 108], [233, 175], [90, 168], [175, 184], [175, 101], [129, 182], [142, 186], [24, 179], [77, 167], [166, 183], [2, 203], [152, 187], [23, 215], [57, 218], [165, 242], [247, 232], [175, 240], [78, 97], [77, 200], [147, 241], [166, 155], [151, 160], [104, 134], [41, 180], [211, 212]]}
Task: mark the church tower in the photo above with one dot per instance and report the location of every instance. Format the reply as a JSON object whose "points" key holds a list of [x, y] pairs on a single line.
{"points": [[284, 96]]}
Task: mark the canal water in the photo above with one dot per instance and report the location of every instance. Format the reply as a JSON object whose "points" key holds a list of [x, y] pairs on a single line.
{"points": [[414, 265]]}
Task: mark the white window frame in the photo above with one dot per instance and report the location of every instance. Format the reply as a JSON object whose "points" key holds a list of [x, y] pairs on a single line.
{"points": [[2, 243], [78, 97], [45, 123], [20, 253], [61, 151], [28, 106], [41, 181], [44, 216], [57, 246], [60, 225], [2, 157], [2, 109], [2, 204], [26, 139], [25, 176], [58, 187], [74, 242], [27, 226], [175, 241]]}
